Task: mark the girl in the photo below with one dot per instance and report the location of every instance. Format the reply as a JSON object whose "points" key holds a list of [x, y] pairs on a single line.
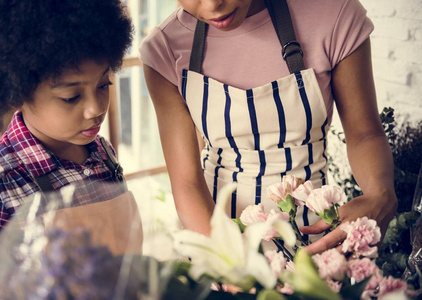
{"points": [[258, 80], [56, 58]]}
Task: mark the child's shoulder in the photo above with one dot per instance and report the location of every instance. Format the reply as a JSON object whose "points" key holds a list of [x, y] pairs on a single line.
{"points": [[9, 158]]}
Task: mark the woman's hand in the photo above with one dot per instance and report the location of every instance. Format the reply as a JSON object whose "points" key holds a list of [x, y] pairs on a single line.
{"points": [[380, 208]]}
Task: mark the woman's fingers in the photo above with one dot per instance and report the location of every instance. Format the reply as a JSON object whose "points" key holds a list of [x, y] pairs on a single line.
{"points": [[331, 240]]}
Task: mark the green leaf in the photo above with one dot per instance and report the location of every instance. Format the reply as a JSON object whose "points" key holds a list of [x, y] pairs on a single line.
{"points": [[242, 226], [352, 292], [306, 281]]}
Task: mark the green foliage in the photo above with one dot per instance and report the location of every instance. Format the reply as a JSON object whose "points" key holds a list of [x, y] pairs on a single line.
{"points": [[405, 141], [406, 145]]}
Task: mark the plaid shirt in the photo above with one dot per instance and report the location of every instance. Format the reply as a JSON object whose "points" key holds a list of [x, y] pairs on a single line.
{"points": [[22, 157]]}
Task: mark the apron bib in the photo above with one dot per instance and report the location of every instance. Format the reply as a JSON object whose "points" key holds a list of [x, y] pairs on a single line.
{"points": [[115, 223], [254, 137]]}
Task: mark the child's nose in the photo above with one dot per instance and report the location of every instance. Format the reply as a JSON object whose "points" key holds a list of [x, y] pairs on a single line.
{"points": [[95, 106], [211, 5]]}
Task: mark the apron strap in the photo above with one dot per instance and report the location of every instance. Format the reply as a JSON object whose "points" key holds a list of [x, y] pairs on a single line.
{"points": [[44, 183], [198, 46], [282, 21], [116, 169], [111, 162]]}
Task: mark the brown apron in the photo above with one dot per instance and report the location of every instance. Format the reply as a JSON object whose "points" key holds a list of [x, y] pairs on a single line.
{"points": [[115, 223]]}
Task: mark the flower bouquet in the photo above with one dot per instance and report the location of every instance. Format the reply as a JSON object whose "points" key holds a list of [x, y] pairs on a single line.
{"points": [[70, 262], [233, 257], [48, 253]]}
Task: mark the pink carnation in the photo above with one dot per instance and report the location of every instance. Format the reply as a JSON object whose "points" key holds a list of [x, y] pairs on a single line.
{"points": [[272, 216], [279, 191], [334, 285], [293, 181], [325, 197], [302, 192], [256, 214], [360, 235], [331, 264], [359, 269], [287, 289], [389, 285], [253, 214], [277, 261]]}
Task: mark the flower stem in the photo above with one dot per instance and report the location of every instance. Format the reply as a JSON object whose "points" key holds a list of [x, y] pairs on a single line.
{"points": [[281, 247], [297, 231]]}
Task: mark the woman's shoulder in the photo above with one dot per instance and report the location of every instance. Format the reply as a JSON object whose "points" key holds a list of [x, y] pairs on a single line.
{"points": [[172, 29], [325, 12]]}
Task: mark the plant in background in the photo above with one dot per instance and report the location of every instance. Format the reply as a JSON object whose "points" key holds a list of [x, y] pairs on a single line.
{"points": [[406, 145]]}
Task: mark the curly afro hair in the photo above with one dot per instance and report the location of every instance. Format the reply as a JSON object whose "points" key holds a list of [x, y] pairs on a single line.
{"points": [[41, 38]]}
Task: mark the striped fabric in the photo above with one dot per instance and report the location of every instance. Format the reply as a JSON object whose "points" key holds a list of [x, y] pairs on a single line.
{"points": [[254, 137], [22, 157]]}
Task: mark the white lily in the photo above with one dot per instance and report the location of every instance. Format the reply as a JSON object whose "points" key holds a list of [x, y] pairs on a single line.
{"points": [[227, 255]]}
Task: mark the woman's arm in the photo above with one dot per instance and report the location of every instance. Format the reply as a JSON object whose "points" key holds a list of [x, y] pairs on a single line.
{"points": [[367, 147], [193, 201]]}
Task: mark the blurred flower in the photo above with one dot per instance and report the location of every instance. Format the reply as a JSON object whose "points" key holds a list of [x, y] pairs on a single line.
{"points": [[253, 214], [334, 285], [226, 254], [70, 267], [277, 261], [389, 285], [361, 234], [362, 268], [306, 279], [331, 264]]}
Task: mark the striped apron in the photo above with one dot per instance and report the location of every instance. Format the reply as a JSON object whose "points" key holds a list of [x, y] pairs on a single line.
{"points": [[254, 137]]}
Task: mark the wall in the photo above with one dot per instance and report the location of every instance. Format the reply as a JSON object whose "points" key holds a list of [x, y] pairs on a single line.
{"points": [[397, 64], [397, 54]]}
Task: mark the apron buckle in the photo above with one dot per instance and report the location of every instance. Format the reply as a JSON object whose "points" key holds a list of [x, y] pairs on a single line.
{"points": [[296, 49], [118, 172]]}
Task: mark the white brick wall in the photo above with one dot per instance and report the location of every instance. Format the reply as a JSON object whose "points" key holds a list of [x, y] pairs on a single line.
{"points": [[397, 64], [397, 54]]}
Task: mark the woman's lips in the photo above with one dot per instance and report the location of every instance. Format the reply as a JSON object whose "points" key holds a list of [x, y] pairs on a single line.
{"points": [[93, 131], [223, 22]]}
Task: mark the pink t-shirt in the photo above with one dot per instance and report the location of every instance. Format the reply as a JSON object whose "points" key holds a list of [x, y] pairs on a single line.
{"points": [[250, 55]]}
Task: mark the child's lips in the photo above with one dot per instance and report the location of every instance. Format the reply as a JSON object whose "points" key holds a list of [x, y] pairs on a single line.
{"points": [[224, 21], [93, 131]]}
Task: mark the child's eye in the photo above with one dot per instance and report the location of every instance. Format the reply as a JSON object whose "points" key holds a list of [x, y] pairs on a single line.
{"points": [[106, 85], [70, 100]]}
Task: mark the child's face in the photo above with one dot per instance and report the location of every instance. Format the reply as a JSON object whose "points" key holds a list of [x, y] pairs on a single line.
{"points": [[223, 14], [69, 110]]}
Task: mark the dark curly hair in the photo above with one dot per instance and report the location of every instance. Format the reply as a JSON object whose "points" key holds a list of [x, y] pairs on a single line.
{"points": [[41, 38]]}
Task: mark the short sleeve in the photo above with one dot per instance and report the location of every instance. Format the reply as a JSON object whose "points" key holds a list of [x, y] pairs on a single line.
{"points": [[155, 52], [351, 29]]}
